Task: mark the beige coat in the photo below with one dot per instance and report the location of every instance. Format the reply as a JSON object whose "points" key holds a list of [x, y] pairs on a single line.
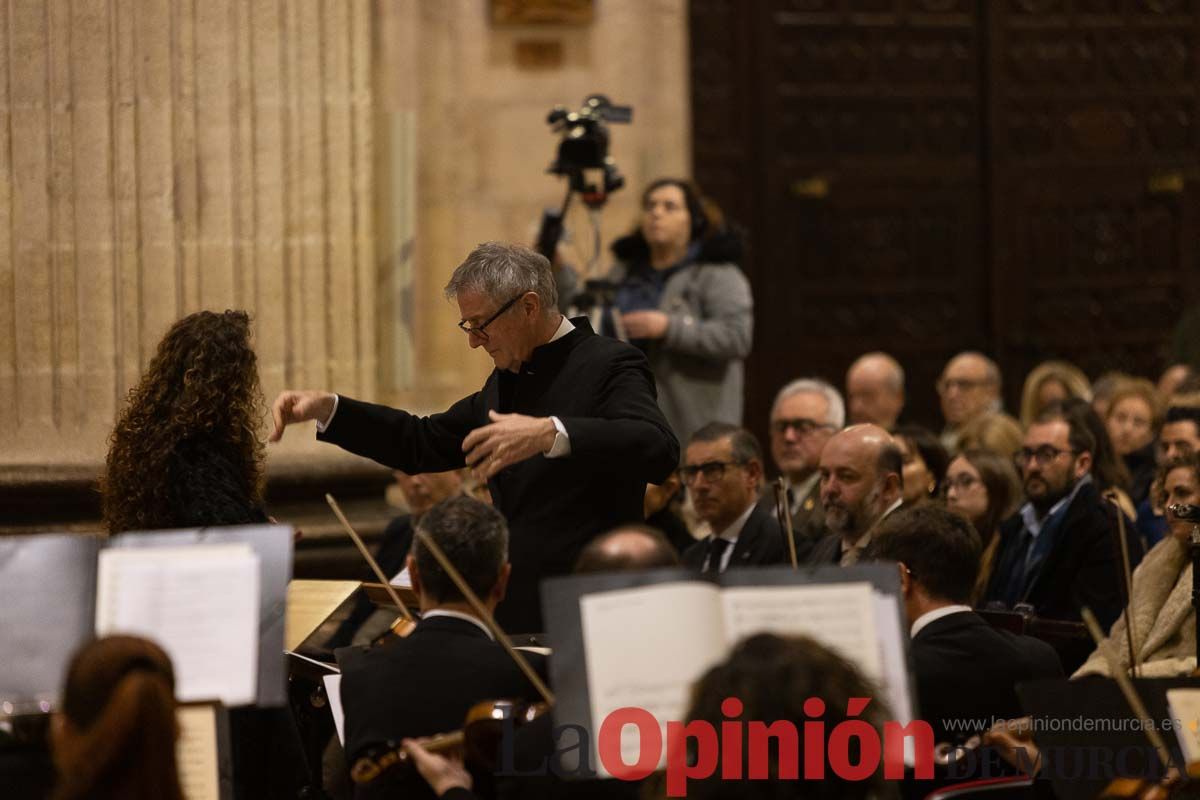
{"points": [[1163, 617]]}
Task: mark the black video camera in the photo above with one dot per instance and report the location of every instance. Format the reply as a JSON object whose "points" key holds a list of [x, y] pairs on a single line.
{"points": [[584, 145], [1186, 511]]}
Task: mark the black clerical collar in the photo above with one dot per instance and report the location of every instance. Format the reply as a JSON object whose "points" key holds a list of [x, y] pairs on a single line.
{"points": [[551, 354]]}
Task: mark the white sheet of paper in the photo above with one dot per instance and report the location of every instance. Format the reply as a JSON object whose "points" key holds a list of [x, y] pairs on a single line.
{"points": [[196, 752], [402, 578], [199, 602], [668, 639], [333, 690], [839, 615]]}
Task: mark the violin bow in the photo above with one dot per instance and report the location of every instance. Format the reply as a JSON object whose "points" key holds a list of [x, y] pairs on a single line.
{"points": [[1127, 573], [1127, 688], [784, 512], [362, 548], [481, 610]]}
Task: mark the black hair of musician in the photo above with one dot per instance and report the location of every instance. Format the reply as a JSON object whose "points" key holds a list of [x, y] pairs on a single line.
{"points": [[474, 537], [655, 551], [940, 549]]}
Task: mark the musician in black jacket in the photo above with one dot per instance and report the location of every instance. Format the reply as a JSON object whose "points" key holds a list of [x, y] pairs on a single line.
{"points": [[425, 684], [566, 431]]}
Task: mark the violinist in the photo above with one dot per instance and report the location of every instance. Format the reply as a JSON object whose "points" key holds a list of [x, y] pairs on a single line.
{"points": [[426, 683]]}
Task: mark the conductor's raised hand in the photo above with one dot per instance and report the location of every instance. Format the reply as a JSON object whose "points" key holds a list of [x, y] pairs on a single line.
{"points": [[299, 406], [509, 439]]}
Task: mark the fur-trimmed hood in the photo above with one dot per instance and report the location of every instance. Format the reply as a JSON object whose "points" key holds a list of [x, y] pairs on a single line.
{"points": [[723, 246]]}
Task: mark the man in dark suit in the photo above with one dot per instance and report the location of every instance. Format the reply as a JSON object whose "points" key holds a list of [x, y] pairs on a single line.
{"points": [[425, 684], [566, 431], [805, 414], [1057, 553], [722, 470], [965, 670], [861, 483]]}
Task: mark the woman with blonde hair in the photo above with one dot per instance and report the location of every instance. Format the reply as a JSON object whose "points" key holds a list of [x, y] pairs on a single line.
{"points": [[114, 738], [983, 487], [1135, 414], [995, 432], [1052, 382]]}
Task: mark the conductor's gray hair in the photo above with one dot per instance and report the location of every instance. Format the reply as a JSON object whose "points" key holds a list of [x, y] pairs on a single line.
{"points": [[503, 271], [835, 416]]}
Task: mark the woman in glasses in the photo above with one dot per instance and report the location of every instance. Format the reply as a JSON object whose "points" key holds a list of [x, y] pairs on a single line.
{"points": [[983, 487], [681, 297]]}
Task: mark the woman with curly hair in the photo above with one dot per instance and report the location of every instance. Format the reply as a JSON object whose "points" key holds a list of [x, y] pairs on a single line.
{"points": [[186, 450]]}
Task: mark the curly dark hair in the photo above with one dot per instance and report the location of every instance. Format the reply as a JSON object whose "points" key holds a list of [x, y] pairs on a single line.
{"points": [[773, 676], [186, 451]]}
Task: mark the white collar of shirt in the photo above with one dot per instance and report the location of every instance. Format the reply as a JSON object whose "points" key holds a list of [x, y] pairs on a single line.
{"points": [[936, 614], [899, 502], [445, 612], [564, 328], [1029, 515]]}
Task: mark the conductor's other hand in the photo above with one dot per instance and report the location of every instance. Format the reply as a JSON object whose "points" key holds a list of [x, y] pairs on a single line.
{"points": [[292, 406], [509, 439]]}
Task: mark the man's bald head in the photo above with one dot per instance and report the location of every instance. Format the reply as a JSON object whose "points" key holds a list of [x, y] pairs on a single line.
{"points": [[629, 548], [969, 386], [875, 389], [860, 479]]}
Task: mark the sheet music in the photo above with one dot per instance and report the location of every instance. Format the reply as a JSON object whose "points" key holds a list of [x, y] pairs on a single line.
{"points": [[894, 680], [309, 603], [645, 647], [333, 690], [199, 602], [196, 752], [841, 616], [1184, 705], [402, 578]]}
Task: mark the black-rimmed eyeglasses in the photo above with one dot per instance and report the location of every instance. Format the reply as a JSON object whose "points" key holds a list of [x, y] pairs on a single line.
{"points": [[480, 330]]}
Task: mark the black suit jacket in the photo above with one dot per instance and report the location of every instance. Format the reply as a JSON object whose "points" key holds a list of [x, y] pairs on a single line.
{"points": [[603, 392], [422, 685], [965, 669], [760, 543]]}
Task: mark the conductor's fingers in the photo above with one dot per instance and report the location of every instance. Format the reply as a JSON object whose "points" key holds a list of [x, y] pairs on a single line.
{"points": [[281, 411]]}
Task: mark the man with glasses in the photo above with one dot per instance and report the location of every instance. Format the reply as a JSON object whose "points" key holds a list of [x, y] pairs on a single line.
{"points": [[1057, 552], [806, 413], [566, 431], [969, 386], [722, 470]]}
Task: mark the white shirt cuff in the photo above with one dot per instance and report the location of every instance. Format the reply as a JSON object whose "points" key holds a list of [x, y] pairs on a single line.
{"points": [[562, 442], [321, 426]]}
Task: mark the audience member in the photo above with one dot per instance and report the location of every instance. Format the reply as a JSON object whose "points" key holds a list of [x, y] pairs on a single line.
{"points": [[1057, 553], [875, 390], [1161, 603], [1108, 469], [805, 414], [1134, 416], [682, 298], [114, 738], [722, 470], [187, 449], [963, 668], [1172, 378], [984, 489], [1103, 388], [995, 432], [628, 548], [969, 386], [1052, 382], [924, 461], [861, 482], [425, 683]]}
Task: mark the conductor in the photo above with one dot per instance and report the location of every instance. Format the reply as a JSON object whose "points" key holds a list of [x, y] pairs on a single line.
{"points": [[566, 431]]}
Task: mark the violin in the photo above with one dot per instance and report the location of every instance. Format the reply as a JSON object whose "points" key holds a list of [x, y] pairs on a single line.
{"points": [[478, 739]]}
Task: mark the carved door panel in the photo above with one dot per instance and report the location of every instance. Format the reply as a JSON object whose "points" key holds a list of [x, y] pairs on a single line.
{"points": [[861, 149], [1094, 165]]}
